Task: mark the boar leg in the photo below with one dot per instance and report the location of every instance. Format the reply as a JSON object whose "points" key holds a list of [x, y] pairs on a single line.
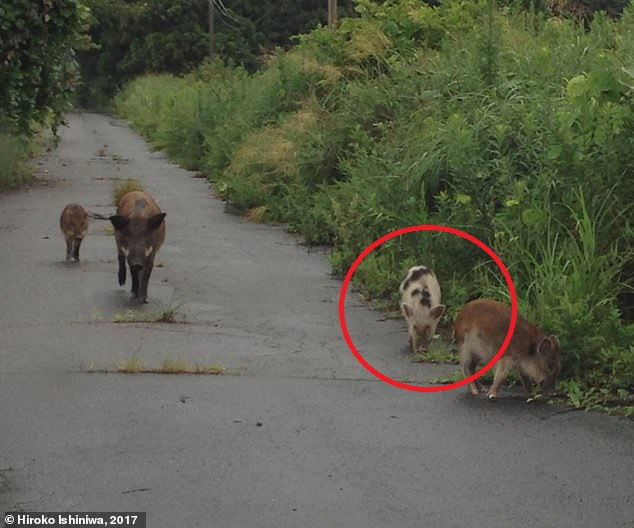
{"points": [[76, 244], [469, 365], [147, 271], [501, 371], [135, 272], [121, 269], [413, 342], [474, 386], [527, 383], [69, 249]]}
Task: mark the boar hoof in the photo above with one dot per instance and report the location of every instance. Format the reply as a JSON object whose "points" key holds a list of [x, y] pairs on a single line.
{"points": [[492, 397]]}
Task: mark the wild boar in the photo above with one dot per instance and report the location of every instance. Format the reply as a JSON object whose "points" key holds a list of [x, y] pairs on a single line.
{"points": [[139, 230], [74, 224], [480, 330], [420, 304]]}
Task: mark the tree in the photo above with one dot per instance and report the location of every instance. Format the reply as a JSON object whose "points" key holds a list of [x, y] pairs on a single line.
{"points": [[142, 36], [38, 70]]}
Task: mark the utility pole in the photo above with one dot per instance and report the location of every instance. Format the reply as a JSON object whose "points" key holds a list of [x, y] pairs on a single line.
{"points": [[212, 36], [332, 14]]}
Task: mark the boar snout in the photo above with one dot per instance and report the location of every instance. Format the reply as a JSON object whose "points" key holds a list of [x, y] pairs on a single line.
{"points": [[548, 350], [548, 386]]}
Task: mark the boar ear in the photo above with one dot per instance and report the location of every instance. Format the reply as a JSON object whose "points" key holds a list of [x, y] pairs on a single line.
{"points": [[119, 222], [546, 345], [437, 311], [156, 220], [407, 309]]}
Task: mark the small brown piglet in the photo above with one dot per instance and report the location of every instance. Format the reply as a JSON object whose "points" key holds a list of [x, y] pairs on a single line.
{"points": [[74, 225], [480, 330]]}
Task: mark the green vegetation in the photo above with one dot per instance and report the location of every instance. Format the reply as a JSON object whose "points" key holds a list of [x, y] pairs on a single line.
{"points": [[14, 151], [437, 355], [133, 37], [37, 64], [37, 75], [512, 126]]}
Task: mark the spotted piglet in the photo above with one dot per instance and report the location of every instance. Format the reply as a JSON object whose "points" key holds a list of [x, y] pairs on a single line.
{"points": [[420, 304]]}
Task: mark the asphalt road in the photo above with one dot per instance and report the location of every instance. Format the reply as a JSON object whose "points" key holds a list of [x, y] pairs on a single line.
{"points": [[296, 433]]}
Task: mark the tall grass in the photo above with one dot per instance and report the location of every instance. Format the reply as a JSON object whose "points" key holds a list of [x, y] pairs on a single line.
{"points": [[14, 151], [123, 187], [568, 282]]}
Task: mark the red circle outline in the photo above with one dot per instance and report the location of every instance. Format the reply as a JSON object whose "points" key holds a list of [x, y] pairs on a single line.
{"points": [[412, 229]]}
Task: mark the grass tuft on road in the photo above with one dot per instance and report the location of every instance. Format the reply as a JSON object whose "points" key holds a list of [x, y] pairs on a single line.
{"points": [[168, 366], [123, 188]]}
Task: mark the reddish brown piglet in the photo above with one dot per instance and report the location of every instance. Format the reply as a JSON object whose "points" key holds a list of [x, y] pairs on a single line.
{"points": [[74, 225], [480, 330]]}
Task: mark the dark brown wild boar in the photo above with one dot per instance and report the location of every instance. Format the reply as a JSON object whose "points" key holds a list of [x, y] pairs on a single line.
{"points": [[74, 224], [139, 230], [480, 330]]}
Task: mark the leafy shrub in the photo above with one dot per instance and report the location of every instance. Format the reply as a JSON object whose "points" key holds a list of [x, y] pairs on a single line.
{"points": [[37, 65]]}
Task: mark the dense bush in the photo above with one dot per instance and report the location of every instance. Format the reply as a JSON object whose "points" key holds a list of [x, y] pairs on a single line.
{"points": [[37, 64], [133, 37], [38, 73], [514, 127]]}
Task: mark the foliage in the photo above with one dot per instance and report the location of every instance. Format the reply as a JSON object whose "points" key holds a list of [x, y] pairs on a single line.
{"points": [[166, 36], [137, 37], [38, 70], [512, 126]]}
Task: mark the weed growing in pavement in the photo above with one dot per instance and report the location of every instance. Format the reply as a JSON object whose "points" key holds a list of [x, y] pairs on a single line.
{"points": [[168, 366], [125, 187], [169, 313]]}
